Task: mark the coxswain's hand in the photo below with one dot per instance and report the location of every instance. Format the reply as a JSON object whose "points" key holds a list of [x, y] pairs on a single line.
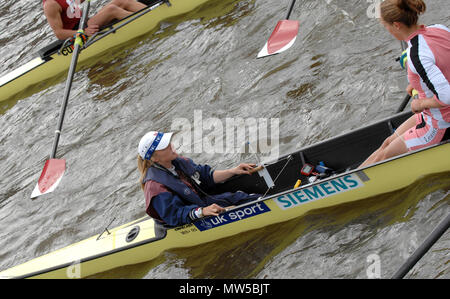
{"points": [[243, 168], [91, 29], [212, 210]]}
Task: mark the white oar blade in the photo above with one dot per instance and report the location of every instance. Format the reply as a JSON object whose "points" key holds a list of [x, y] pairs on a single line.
{"points": [[50, 177], [281, 39]]}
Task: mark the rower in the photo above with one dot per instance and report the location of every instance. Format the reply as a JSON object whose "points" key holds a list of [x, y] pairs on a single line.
{"points": [[63, 16], [428, 64]]}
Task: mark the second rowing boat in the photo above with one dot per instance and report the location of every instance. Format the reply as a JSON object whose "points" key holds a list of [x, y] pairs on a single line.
{"points": [[53, 60]]}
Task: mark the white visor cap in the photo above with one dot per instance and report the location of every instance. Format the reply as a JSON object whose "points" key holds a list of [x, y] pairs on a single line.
{"points": [[153, 141]]}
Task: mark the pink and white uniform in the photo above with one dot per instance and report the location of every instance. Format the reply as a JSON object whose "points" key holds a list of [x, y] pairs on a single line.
{"points": [[429, 74]]}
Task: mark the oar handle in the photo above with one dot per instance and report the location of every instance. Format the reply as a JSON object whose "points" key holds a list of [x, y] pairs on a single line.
{"points": [[256, 169], [290, 9], [73, 66]]}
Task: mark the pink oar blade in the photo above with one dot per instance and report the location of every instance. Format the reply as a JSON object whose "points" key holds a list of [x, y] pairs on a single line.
{"points": [[50, 177], [281, 39]]}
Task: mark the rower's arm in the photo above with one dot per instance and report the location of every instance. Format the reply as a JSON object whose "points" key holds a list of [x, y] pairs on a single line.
{"points": [[433, 78], [418, 105], [53, 11]]}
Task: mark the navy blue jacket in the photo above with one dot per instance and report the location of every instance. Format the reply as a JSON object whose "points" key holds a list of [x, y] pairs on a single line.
{"points": [[171, 199]]}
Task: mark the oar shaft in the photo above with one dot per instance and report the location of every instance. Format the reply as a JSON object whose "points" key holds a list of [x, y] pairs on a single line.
{"points": [[290, 9], [420, 252], [403, 104], [404, 46], [62, 112], [72, 68]]}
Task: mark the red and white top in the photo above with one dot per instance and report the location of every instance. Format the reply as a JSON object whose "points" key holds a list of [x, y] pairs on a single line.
{"points": [[71, 12], [429, 71]]}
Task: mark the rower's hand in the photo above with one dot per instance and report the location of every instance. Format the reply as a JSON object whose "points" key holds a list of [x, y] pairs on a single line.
{"points": [[91, 29], [243, 168], [409, 89], [416, 106], [212, 210]]}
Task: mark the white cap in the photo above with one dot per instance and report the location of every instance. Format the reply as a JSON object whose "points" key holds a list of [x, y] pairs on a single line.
{"points": [[153, 141]]}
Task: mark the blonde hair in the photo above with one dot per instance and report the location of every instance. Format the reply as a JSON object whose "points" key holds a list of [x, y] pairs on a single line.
{"points": [[143, 166], [403, 11]]}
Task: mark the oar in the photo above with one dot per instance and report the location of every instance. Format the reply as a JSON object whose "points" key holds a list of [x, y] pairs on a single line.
{"points": [[426, 245], [54, 168], [403, 104], [282, 37], [415, 95], [402, 59]]}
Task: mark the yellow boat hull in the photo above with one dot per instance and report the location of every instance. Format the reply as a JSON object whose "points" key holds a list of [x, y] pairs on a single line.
{"points": [[109, 251]]}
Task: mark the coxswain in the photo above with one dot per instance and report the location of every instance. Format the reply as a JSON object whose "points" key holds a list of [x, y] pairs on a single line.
{"points": [[177, 191]]}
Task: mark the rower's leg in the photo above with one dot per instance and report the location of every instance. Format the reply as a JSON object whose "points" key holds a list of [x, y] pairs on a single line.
{"points": [[406, 125], [376, 155], [130, 5], [116, 9], [393, 145], [107, 14], [395, 148]]}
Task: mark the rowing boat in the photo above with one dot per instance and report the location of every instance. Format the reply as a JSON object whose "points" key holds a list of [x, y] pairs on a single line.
{"points": [[52, 60], [144, 239]]}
